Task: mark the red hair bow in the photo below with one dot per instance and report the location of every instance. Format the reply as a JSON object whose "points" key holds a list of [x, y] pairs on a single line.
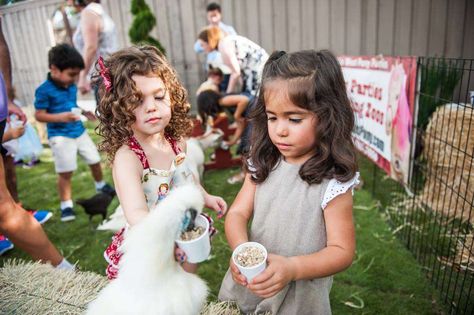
{"points": [[104, 73]]}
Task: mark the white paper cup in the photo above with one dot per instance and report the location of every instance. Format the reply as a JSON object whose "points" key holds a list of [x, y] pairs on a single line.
{"points": [[253, 271], [198, 249], [76, 111]]}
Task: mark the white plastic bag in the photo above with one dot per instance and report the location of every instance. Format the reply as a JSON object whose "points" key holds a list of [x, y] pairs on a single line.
{"points": [[29, 145]]}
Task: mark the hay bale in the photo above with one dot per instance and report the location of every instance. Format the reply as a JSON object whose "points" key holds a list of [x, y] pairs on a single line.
{"points": [[448, 150], [464, 258], [221, 308], [33, 288], [465, 253]]}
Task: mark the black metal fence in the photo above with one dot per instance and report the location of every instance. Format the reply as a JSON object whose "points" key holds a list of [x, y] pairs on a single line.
{"points": [[434, 214]]}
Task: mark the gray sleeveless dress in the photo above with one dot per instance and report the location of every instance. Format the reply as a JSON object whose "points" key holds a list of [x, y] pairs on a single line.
{"points": [[288, 220]]}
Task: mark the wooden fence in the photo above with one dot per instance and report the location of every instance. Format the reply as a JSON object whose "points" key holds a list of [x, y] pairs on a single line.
{"points": [[354, 27]]}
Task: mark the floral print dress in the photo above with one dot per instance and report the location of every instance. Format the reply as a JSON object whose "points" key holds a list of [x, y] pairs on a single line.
{"points": [[156, 185]]}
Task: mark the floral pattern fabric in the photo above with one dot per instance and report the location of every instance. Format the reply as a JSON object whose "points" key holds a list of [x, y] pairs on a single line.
{"points": [[156, 184]]}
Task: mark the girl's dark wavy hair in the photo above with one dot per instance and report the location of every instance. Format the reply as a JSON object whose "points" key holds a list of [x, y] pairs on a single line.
{"points": [[115, 107], [315, 83]]}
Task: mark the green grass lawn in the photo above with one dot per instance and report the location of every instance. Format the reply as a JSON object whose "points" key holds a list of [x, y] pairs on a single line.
{"points": [[384, 278]]}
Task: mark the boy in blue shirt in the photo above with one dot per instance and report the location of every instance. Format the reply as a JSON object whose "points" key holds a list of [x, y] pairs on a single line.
{"points": [[56, 104]]}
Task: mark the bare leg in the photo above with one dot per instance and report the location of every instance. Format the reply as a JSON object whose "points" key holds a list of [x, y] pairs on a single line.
{"points": [[23, 229], [10, 175], [96, 170], [64, 186]]}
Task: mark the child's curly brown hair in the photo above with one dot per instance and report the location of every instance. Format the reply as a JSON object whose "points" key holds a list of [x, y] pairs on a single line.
{"points": [[115, 108]]}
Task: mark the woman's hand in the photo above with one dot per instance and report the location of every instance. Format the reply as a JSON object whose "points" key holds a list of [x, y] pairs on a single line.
{"points": [[215, 203], [279, 272], [14, 109]]}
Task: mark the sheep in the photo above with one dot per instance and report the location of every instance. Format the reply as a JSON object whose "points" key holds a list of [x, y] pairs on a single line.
{"points": [[149, 280]]}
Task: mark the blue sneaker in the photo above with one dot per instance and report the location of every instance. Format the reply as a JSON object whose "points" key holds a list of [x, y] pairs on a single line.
{"points": [[41, 215], [107, 189], [67, 214], [5, 245]]}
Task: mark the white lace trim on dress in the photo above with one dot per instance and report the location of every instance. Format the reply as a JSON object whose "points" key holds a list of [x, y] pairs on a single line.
{"points": [[336, 188]]}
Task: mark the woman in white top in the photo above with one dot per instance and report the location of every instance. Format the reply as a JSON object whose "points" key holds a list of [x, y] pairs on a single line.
{"points": [[95, 36], [244, 57]]}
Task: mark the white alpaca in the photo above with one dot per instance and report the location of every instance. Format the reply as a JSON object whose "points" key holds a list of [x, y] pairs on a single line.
{"points": [[194, 161], [149, 280]]}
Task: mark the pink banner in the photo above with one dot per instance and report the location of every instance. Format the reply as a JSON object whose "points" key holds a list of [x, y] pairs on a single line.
{"points": [[382, 91]]}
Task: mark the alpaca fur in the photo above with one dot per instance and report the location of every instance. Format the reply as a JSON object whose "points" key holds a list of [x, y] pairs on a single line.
{"points": [[195, 150], [149, 280]]}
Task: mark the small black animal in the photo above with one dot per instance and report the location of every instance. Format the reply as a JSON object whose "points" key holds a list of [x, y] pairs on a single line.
{"points": [[97, 204]]}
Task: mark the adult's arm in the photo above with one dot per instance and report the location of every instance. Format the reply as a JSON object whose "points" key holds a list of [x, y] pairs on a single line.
{"points": [[6, 65], [230, 59], [90, 26]]}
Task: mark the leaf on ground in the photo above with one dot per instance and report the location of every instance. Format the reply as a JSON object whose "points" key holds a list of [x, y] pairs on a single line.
{"points": [[369, 265], [360, 301]]}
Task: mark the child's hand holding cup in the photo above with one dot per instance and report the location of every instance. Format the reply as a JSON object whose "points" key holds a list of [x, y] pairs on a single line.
{"points": [[76, 111], [250, 258], [198, 248]]}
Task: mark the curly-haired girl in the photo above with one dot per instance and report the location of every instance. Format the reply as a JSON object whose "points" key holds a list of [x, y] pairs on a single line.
{"points": [[142, 119], [297, 192]]}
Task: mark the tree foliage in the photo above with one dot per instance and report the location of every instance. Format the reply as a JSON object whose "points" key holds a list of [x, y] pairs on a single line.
{"points": [[143, 22]]}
